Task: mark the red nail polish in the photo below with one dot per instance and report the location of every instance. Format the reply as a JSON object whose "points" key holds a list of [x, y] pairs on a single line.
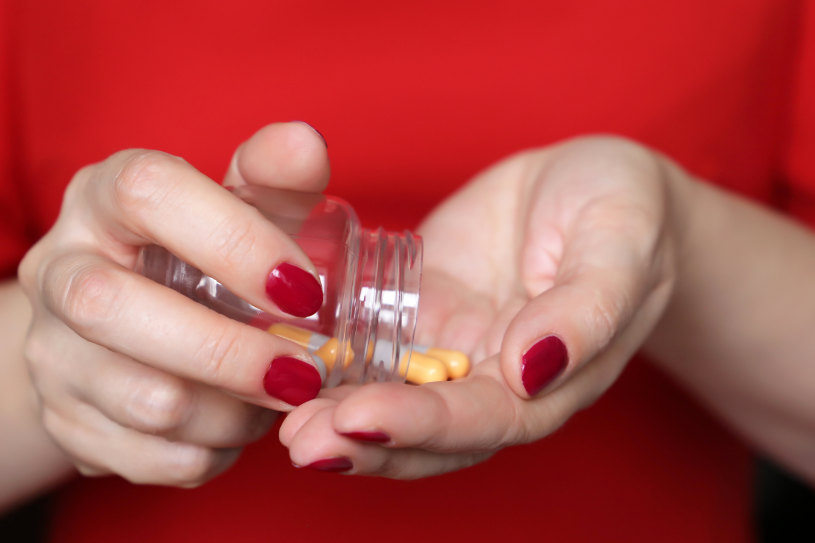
{"points": [[315, 130], [542, 363], [292, 380], [337, 464], [294, 290], [376, 437]]}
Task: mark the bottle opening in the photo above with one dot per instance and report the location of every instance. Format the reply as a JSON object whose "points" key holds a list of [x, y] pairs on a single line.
{"points": [[384, 306]]}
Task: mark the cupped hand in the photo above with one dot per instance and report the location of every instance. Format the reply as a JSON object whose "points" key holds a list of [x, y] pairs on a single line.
{"points": [[134, 378], [549, 269]]}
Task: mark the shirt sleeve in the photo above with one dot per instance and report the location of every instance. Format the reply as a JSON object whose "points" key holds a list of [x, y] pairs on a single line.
{"points": [[797, 194], [14, 240]]}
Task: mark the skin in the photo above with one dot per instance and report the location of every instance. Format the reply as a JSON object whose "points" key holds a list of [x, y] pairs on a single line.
{"points": [[612, 248], [130, 377], [559, 241], [599, 241]]}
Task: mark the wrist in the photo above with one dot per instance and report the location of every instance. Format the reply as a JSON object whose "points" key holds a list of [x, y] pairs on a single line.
{"points": [[685, 204]]}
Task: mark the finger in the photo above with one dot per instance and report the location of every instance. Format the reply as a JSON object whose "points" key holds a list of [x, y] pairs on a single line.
{"points": [[101, 446], [150, 401], [329, 397], [601, 282], [316, 446], [282, 155], [142, 398], [477, 413], [474, 415], [143, 197], [127, 313], [588, 258], [300, 416]]}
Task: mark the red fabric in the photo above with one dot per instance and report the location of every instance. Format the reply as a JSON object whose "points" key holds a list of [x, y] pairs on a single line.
{"points": [[414, 98], [14, 239], [798, 192]]}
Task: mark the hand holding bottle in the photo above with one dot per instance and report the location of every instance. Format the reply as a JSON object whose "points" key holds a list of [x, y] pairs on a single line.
{"points": [[135, 379]]}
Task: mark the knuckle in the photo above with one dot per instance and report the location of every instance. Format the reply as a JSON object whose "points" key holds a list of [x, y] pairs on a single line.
{"points": [[601, 322], [85, 294], [141, 181], [88, 470], [159, 407], [520, 426], [38, 354], [191, 465], [27, 271], [61, 432], [49, 421], [615, 145], [234, 242], [219, 351], [76, 187], [605, 316]]}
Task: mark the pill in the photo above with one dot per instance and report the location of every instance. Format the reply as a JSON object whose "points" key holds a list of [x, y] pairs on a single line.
{"points": [[456, 362], [324, 347], [422, 369], [419, 367], [321, 367], [416, 368]]}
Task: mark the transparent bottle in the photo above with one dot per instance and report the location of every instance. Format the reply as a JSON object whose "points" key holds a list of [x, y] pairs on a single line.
{"points": [[370, 281]]}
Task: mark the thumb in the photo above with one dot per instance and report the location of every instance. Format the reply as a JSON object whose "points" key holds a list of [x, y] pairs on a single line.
{"points": [[600, 290], [596, 257], [289, 155]]}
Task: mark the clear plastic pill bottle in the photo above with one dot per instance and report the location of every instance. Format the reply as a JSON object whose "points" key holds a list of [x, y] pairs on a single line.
{"points": [[370, 278]]}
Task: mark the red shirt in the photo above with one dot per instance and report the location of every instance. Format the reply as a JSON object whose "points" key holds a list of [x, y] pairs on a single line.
{"points": [[414, 98]]}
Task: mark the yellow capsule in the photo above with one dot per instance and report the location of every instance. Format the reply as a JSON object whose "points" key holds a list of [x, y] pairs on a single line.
{"points": [[422, 369], [330, 351], [416, 368], [456, 362], [298, 335], [327, 348]]}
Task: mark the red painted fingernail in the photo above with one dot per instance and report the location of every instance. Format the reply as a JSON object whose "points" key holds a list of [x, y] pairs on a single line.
{"points": [[292, 380], [317, 131], [542, 363], [376, 437], [294, 290], [337, 464]]}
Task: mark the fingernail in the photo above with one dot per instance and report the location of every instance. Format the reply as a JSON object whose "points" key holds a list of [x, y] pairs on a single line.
{"points": [[292, 380], [337, 464], [294, 290], [317, 131], [376, 437], [542, 363]]}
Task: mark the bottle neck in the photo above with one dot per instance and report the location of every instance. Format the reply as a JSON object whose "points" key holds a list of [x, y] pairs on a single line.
{"points": [[385, 303]]}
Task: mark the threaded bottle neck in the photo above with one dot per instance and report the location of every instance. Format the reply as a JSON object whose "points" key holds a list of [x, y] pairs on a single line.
{"points": [[384, 304]]}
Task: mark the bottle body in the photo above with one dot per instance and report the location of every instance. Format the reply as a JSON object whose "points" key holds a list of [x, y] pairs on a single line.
{"points": [[370, 279]]}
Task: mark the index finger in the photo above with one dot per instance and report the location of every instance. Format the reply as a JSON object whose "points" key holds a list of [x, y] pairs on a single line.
{"points": [[143, 197], [153, 325], [475, 413]]}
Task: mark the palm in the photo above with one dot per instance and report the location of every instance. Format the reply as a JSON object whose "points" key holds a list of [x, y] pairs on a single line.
{"points": [[568, 242], [471, 282]]}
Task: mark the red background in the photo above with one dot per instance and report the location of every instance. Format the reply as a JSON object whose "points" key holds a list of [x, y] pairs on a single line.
{"points": [[414, 99]]}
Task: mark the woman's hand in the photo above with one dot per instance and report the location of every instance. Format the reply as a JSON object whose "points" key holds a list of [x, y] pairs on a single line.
{"points": [[550, 269], [134, 378]]}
